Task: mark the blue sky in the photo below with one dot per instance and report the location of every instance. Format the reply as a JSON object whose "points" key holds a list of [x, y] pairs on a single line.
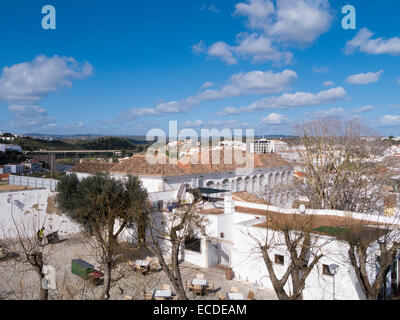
{"points": [[124, 67]]}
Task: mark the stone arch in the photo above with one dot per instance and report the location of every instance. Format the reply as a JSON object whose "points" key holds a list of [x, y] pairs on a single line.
{"points": [[270, 180], [261, 183], [247, 184], [239, 184], [254, 185], [277, 177], [210, 184], [225, 184]]}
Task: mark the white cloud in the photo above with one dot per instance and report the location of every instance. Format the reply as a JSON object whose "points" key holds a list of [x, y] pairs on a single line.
{"points": [[29, 116], [274, 119], [322, 69], [331, 112], [394, 106], [207, 84], [290, 100], [199, 47], [209, 7], [328, 84], [25, 84], [30, 82], [271, 23], [260, 48], [193, 124], [240, 84], [390, 121], [364, 78], [286, 19], [398, 81], [223, 51], [364, 43], [219, 123], [301, 21], [364, 109]]}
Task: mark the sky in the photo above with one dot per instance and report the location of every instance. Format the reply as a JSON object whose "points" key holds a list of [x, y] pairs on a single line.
{"points": [[126, 67]]}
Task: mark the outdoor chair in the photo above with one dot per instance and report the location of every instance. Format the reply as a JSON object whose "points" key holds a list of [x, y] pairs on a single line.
{"points": [[222, 296], [146, 296], [197, 290], [188, 286], [154, 265], [210, 287], [250, 296]]}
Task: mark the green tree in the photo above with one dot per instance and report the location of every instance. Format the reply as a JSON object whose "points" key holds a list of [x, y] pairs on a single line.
{"points": [[104, 207]]}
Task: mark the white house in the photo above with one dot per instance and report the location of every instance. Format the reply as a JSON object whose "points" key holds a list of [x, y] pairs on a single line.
{"points": [[230, 240]]}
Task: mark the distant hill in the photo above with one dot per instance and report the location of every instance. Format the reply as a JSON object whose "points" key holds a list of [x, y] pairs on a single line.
{"points": [[102, 143]]}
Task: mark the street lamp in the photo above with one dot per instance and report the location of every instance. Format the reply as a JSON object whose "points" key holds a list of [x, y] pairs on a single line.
{"points": [[333, 268]]}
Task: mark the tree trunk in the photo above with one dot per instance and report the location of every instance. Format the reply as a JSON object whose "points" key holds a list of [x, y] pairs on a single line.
{"points": [[44, 293], [105, 294]]}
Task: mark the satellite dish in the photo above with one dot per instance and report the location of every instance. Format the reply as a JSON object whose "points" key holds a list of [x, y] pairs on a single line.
{"points": [[302, 209]]}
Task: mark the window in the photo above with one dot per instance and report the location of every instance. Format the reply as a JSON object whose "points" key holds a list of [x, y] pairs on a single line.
{"points": [[193, 244], [279, 259], [326, 270]]}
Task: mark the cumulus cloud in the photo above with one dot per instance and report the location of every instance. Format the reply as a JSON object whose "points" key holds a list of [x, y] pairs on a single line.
{"points": [[364, 78], [240, 84], [290, 101], [275, 119], [269, 24], [223, 51], [29, 116], [363, 42], [24, 85], [390, 121], [30, 82]]}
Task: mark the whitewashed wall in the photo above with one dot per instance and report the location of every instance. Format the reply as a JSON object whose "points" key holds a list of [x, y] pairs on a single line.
{"points": [[27, 209]]}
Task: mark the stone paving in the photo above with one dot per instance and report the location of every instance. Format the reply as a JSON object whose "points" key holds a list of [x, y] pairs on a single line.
{"points": [[18, 281]]}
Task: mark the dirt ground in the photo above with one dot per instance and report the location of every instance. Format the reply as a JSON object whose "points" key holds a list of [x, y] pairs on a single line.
{"points": [[8, 187], [18, 281]]}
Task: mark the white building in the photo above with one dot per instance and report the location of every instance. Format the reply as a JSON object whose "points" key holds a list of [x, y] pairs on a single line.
{"points": [[231, 233], [10, 147], [267, 146], [265, 170]]}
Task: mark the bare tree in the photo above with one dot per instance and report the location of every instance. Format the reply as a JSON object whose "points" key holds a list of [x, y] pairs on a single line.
{"points": [[168, 234], [25, 249], [334, 160], [372, 248], [293, 236]]}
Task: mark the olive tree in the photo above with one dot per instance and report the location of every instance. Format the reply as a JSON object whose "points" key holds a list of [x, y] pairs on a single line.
{"points": [[104, 207]]}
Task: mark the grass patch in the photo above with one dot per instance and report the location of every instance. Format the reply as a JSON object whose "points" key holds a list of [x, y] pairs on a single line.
{"points": [[334, 231]]}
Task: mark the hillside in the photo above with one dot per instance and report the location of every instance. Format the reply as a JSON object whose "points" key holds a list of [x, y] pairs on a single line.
{"points": [[103, 143]]}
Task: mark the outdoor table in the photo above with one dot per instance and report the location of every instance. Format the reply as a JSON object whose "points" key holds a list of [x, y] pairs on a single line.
{"points": [[235, 296], [142, 263], [162, 293], [201, 282]]}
